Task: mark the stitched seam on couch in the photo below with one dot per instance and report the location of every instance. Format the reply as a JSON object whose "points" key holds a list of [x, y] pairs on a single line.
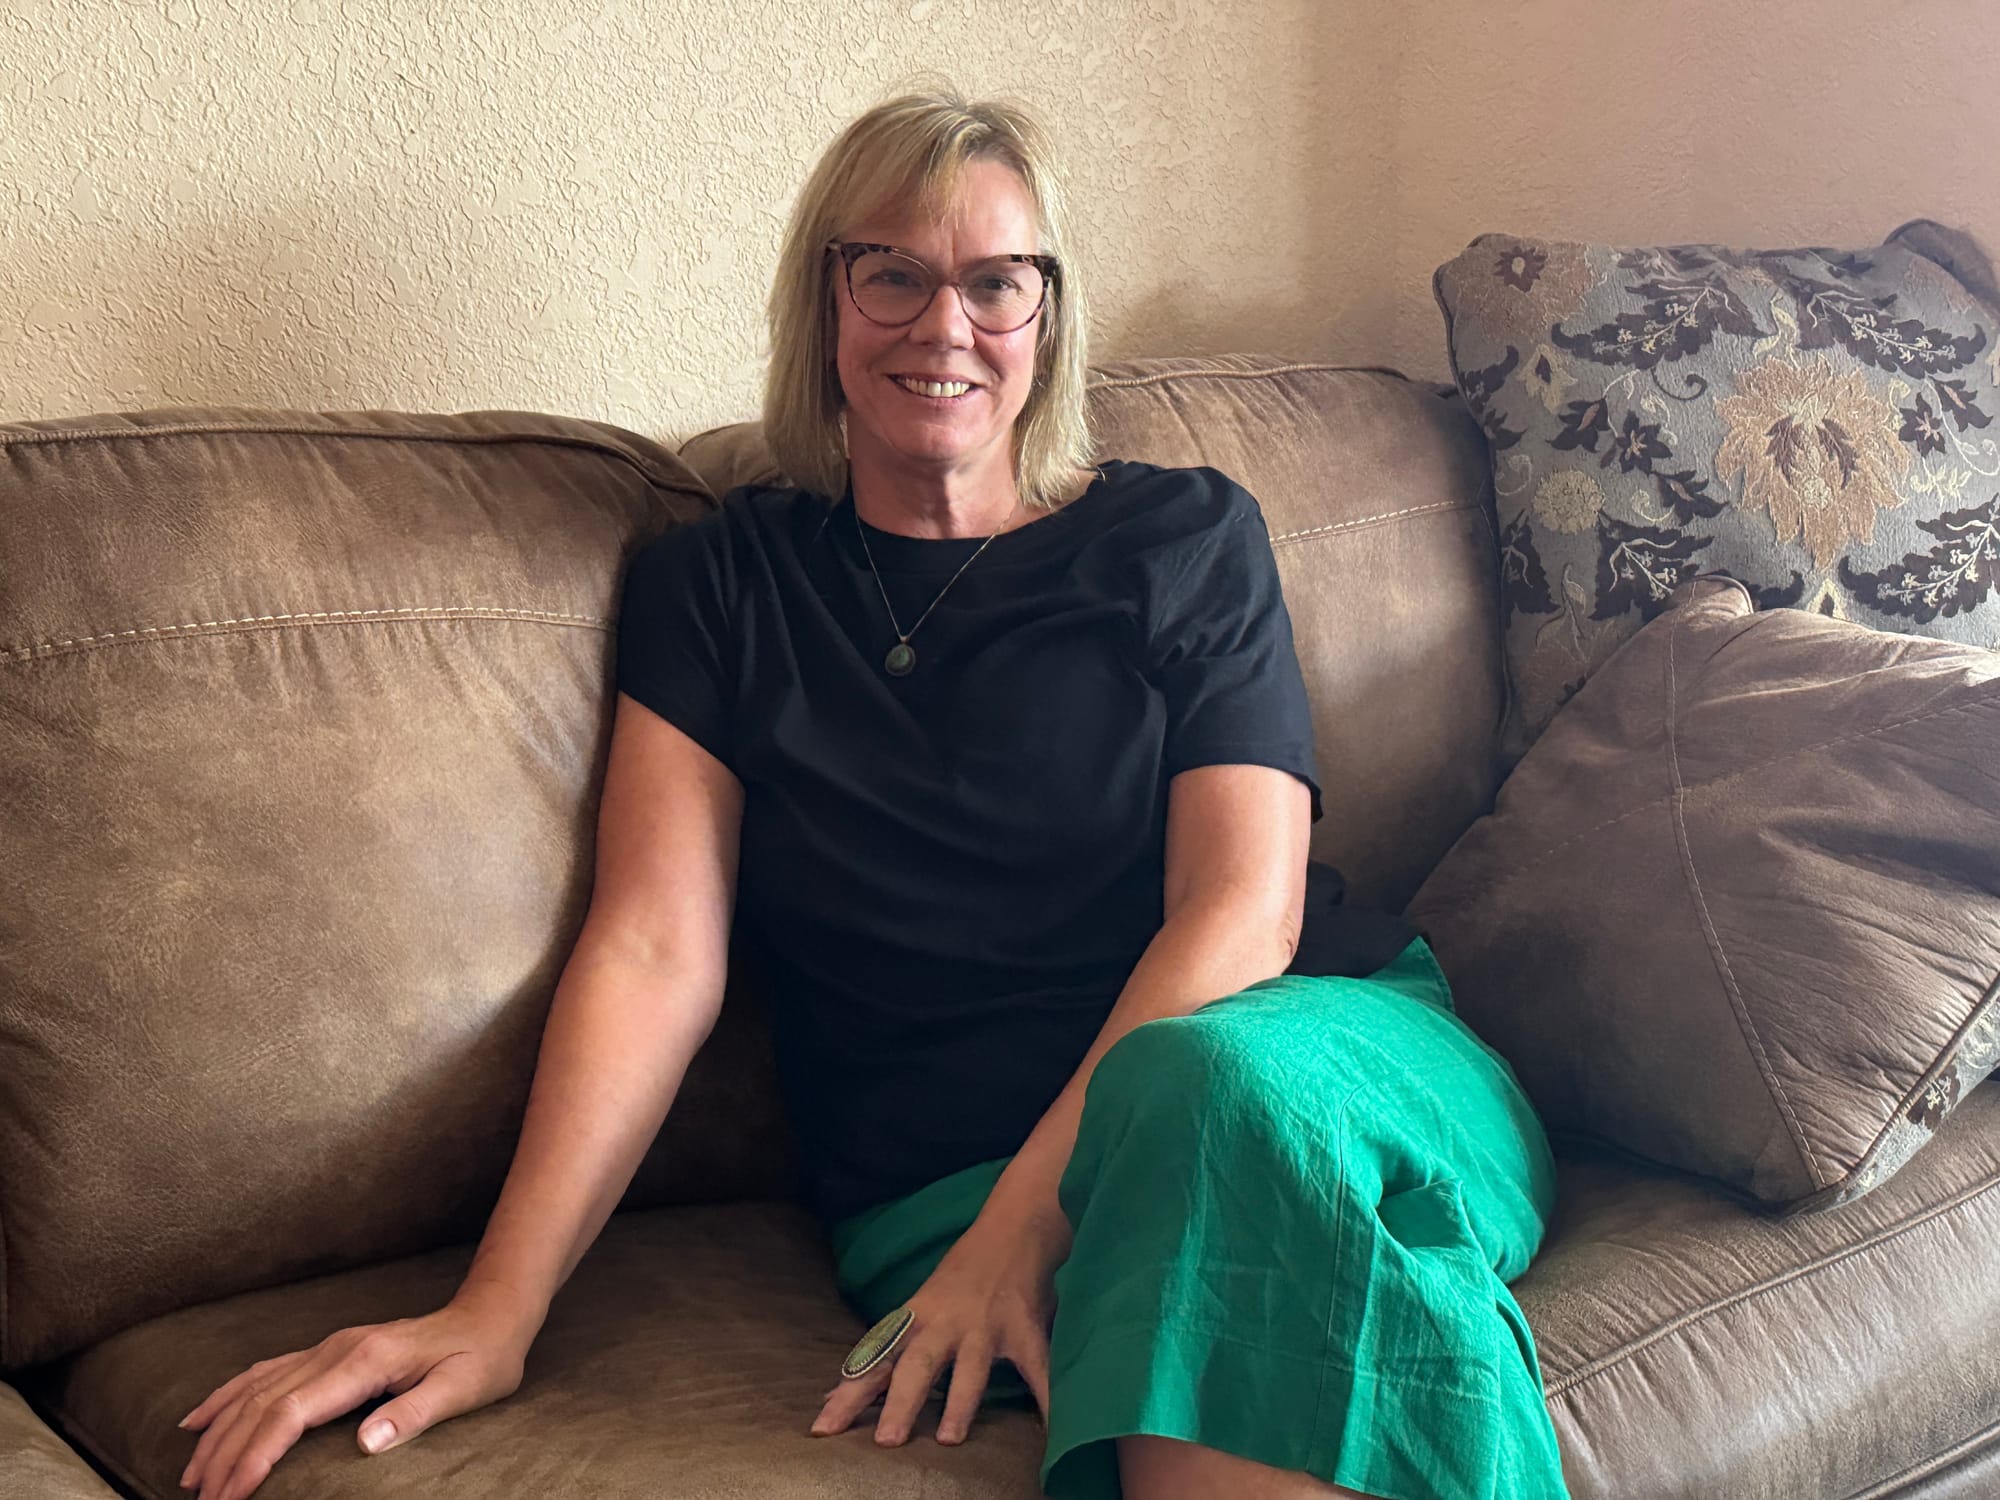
{"points": [[258, 429], [1360, 521], [1744, 1021], [1604, 1362], [295, 621], [1130, 382], [1969, 1447]]}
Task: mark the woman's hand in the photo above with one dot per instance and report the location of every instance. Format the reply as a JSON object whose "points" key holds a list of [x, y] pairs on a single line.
{"points": [[991, 1297], [441, 1365]]}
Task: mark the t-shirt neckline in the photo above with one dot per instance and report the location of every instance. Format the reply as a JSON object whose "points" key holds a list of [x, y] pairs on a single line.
{"points": [[893, 552]]}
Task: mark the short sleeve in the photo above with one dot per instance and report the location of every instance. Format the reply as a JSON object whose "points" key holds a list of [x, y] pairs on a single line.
{"points": [[675, 645], [1224, 656]]}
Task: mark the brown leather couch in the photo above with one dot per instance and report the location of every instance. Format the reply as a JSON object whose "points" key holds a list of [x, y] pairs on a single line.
{"points": [[302, 720]]}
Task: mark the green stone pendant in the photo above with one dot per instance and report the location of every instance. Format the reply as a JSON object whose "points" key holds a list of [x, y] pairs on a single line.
{"points": [[877, 1343], [900, 659]]}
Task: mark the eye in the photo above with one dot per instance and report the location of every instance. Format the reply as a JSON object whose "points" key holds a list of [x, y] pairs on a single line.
{"points": [[996, 282], [891, 277]]}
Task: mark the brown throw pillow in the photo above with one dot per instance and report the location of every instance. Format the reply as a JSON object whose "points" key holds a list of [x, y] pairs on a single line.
{"points": [[1738, 910]]}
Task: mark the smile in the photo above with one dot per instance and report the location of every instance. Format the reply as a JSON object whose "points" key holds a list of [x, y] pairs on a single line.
{"points": [[936, 390]]}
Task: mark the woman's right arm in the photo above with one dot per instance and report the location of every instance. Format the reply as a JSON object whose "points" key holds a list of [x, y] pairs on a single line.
{"points": [[639, 994]]}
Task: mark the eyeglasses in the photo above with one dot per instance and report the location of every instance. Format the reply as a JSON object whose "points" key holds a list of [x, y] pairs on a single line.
{"points": [[892, 287]]}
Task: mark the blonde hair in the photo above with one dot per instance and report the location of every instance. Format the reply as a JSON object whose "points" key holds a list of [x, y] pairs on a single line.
{"points": [[911, 150]]}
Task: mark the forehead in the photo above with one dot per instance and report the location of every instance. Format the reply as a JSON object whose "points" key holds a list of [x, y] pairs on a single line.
{"points": [[986, 211]]}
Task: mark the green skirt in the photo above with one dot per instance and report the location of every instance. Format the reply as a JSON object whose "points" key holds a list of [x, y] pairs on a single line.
{"points": [[1296, 1212]]}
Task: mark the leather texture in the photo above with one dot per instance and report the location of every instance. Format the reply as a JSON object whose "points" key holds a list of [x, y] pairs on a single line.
{"points": [[36, 1464], [1967, 1471], [1379, 505], [1692, 1349], [1738, 909], [688, 1356], [302, 721]]}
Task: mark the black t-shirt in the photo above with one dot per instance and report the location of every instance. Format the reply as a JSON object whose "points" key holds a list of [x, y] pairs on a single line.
{"points": [[948, 876]]}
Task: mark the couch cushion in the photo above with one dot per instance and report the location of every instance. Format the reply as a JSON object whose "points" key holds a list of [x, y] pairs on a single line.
{"points": [[1814, 422], [1374, 491], [732, 455], [1738, 909], [1690, 1349], [1693, 1349], [688, 1354], [35, 1462], [302, 720]]}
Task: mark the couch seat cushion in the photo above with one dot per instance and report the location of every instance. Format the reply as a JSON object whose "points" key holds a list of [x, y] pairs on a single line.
{"points": [[1693, 1348], [687, 1355], [34, 1461]]}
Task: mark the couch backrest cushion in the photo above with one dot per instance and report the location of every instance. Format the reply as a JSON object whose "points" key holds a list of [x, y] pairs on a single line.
{"points": [[1376, 493], [302, 723]]}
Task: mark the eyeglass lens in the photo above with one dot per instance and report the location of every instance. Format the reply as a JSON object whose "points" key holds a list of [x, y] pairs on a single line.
{"points": [[1000, 294]]}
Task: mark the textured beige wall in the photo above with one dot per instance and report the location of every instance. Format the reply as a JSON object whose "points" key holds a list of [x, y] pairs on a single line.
{"points": [[573, 207], [1744, 122]]}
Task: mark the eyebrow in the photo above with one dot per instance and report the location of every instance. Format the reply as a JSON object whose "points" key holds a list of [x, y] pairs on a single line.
{"points": [[1021, 256]]}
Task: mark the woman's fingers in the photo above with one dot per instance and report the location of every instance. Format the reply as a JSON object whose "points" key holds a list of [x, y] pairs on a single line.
{"points": [[267, 1375], [270, 1420], [215, 1415], [1030, 1354], [202, 1464], [850, 1399], [968, 1383], [223, 1394], [261, 1376], [449, 1390], [909, 1387], [437, 1366]]}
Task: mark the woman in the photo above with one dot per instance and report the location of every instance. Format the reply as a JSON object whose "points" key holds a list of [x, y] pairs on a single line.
{"points": [[1008, 761]]}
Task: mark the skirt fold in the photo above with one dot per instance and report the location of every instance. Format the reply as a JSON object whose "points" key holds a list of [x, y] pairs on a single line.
{"points": [[1296, 1211]]}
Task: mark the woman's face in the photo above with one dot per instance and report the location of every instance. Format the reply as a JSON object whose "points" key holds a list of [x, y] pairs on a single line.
{"points": [[892, 426]]}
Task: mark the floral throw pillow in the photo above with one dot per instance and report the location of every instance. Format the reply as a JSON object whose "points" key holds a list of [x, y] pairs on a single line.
{"points": [[1819, 424]]}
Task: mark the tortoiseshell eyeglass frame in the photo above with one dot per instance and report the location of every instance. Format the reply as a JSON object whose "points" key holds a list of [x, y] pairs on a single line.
{"points": [[850, 251]]}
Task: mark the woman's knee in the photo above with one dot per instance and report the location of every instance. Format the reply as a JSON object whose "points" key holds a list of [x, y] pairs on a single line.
{"points": [[1167, 1063], [1188, 1076]]}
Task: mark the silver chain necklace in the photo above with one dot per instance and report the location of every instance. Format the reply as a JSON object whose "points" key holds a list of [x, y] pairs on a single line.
{"points": [[902, 656]]}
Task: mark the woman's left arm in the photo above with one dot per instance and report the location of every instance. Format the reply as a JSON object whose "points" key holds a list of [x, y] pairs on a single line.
{"points": [[1236, 841]]}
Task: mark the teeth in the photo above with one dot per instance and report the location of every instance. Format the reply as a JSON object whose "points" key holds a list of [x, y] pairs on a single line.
{"points": [[934, 387]]}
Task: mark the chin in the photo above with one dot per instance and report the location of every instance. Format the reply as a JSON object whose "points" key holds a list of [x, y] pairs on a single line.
{"points": [[933, 445], [941, 455]]}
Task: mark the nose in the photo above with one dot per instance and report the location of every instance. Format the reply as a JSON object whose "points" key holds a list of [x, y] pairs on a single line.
{"points": [[945, 322]]}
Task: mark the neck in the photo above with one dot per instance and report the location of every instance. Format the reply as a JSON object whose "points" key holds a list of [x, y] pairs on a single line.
{"points": [[892, 494]]}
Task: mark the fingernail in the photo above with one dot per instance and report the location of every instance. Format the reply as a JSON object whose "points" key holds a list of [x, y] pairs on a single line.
{"points": [[375, 1436]]}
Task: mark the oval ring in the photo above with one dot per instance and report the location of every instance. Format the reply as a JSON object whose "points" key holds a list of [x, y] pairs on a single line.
{"points": [[878, 1343]]}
